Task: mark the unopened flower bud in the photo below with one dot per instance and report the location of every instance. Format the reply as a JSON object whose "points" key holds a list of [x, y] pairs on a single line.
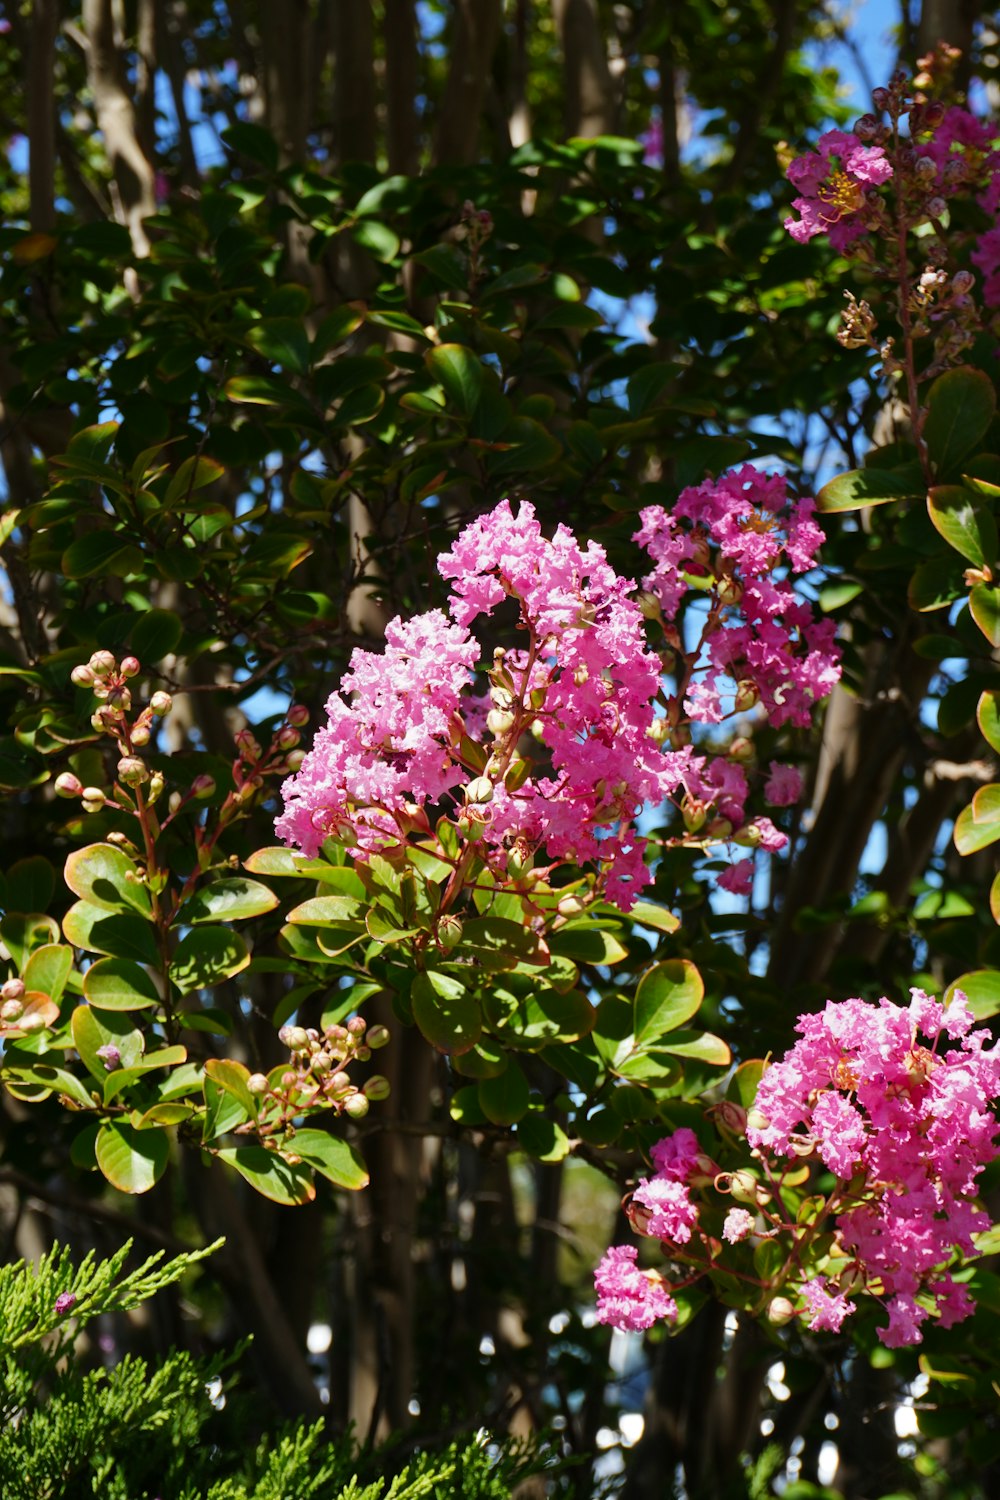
{"points": [[780, 1311], [499, 721], [357, 1026], [731, 1116], [744, 1187], [248, 747], [12, 989], [479, 790], [322, 1062], [295, 1038], [141, 736], [68, 785], [336, 1032], [295, 759], [110, 1056], [378, 1036], [257, 1084], [377, 1087], [288, 738], [933, 114], [101, 663], [82, 676], [130, 666], [340, 1082], [880, 99], [925, 168], [694, 815], [962, 282], [571, 906], [132, 771], [936, 208], [298, 715], [156, 785], [449, 931], [866, 127], [362, 1054], [289, 1079], [356, 1107], [11, 1010], [160, 704], [747, 696], [742, 750], [94, 794], [202, 787]]}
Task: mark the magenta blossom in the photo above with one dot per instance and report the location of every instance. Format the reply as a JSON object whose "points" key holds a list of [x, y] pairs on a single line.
{"points": [[832, 181], [627, 1297]]}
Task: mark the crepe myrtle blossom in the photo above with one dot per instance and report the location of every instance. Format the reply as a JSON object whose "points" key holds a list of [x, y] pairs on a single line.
{"points": [[887, 1106], [586, 687], [833, 181], [628, 1298]]}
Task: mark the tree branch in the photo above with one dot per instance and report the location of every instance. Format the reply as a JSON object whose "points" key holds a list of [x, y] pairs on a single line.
{"points": [[133, 171], [40, 90]]}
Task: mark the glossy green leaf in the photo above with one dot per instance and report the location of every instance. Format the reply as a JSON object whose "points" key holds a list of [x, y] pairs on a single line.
{"points": [[48, 969], [156, 634], [101, 553], [505, 1099], [277, 861], [94, 1029], [587, 945], [194, 474], [95, 929], [668, 995], [981, 988], [541, 1017], [328, 911], [647, 914], [860, 488], [486, 1059], [445, 1012], [30, 884], [104, 876], [988, 717], [972, 834], [270, 1175], [24, 932], [205, 956], [335, 1158], [965, 521], [460, 371], [497, 943], [960, 408], [120, 984], [233, 899], [284, 341], [131, 1160], [700, 1045], [254, 142], [542, 1138], [984, 604], [232, 1076]]}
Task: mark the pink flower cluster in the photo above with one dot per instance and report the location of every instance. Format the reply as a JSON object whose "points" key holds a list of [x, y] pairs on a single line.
{"points": [[833, 181], [660, 1208], [728, 536], [909, 1126], [585, 685]]}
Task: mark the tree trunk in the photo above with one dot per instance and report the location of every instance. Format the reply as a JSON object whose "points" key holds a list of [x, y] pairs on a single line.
{"points": [[590, 98], [133, 172]]}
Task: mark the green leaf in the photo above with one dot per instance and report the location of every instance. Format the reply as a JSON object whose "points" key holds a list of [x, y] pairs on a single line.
{"points": [[460, 372], [31, 884], [587, 945], [860, 488], [276, 861], [270, 1175], [93, 443], [505, 1099], [194, 474], [206, 956], [284, 341], [93, 1029], [103, 876], [336, 1159], [965, 522], [497, 943], [541, 1017], [119, 984], [254, 142], [982, 990], [328, 911], [984, 605], [377, 238], [995, 898], [101, 552], [701, 1045], [131, 1160], [988, 715], [156, 634], [960, 408], [232, 1077], [231, 900], [668, 995], [445, 1012], [542, 1138], [23, 932], [95, 929], [48, 969], [973, 833], [646, 914], [486, 1059]]}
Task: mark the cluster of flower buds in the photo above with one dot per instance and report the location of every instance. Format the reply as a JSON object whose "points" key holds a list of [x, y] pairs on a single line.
{"points": [[281, 758], [108, 679], [316, 1075], [24, 1010]]}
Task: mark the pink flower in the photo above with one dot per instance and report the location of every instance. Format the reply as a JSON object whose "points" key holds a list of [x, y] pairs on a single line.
{"points": [[665, 1210], [628, 1298], [905, 1318], [738, 879], [676, 1156], [738, 1224], [784, 785], [832, 180], [827, 1310]]}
